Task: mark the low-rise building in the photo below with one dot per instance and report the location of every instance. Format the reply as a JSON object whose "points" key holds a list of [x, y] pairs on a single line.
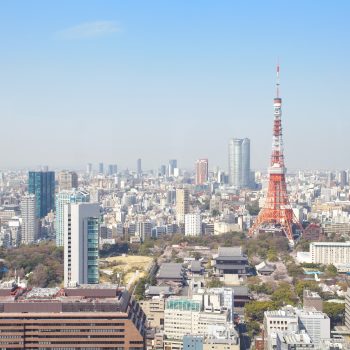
{"points": [[171, 272], [330, 252], [289, 321], [312, 300], [154, 311], [70, 318]]}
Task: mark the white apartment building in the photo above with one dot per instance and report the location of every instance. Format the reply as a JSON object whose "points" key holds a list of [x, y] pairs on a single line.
{"points": [[290, 320], [81, 243], [330, 252], [30, 222], [180, 316], [187, 316], [193, 224]]}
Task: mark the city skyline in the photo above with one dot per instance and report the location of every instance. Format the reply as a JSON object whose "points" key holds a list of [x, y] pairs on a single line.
{"points": [[74, 71]]}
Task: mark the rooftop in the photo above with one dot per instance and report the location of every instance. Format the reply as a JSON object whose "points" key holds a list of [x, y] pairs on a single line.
{"points": [[334, 244], [170, 270], [76, 299], [230, 251]]}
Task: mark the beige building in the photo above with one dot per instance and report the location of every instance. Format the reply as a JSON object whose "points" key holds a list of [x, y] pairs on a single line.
{"points": [[154, 311], [330, 252], [182, 204], [67, 180]]}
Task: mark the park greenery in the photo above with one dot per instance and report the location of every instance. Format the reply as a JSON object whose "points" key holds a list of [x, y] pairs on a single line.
{"points": [[41, 263]]}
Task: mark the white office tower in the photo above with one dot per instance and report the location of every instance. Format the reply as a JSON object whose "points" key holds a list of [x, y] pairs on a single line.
{"points": [[182, 204], [239, 162], [81, 243], [62, 198], [30, 222], [193, 224]]}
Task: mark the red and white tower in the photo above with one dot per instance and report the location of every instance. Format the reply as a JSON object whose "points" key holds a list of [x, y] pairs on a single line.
{"points": [[277, 210]]}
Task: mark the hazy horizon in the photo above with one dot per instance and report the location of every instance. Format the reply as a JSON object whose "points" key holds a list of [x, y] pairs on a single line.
{"points": [[91, 81]]}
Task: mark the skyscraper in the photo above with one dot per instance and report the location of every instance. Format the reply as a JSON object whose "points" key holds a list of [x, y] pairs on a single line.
{"points": [[42, 185], [172, 166], [89, 168], [81, 243], [201, 171], [246, 163], [239, 162], [30, 223], [182, 204], [63, 198], [100, 168], [67, 180], [162, 170], [139, 167]]}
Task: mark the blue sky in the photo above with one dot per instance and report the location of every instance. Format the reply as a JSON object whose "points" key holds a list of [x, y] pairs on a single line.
{"points": [[113, 81]]}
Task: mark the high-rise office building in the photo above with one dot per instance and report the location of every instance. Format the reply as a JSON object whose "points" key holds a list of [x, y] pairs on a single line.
{"points": [[201, 171], [81, 243], [162, 170], [63, 198], [139, 166], [343, 181], [67, 180], [42, 185], [239, 162], [110, 170], [246, 176], [182, 204], [100, 168], [172, 166], [30, 222], [89, 168]]}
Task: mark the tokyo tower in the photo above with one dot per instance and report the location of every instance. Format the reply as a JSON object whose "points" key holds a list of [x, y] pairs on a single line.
{"points": [[277, 210]]}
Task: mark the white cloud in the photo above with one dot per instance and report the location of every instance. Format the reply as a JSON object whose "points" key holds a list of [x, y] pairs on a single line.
{"points": [[89, 30]]}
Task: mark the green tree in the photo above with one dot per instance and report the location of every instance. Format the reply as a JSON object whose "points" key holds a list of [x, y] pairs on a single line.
{"points": [[215, 212], [331, 271], [253, 328], [272, 255], [214, 283], [254, 310], [294, 270], [335, 311], [139, 292], [302, 284], [284, 295]]}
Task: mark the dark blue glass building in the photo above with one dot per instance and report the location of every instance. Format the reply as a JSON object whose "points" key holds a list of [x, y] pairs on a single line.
{"points": [[42, 184]]}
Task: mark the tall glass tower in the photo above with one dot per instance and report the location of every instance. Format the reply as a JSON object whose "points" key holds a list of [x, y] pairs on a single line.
{"points": [[42, 185], [239, 162], [245, 163]]}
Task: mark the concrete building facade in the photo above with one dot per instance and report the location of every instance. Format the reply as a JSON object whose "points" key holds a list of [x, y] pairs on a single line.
{"points": [[81, 243]]}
